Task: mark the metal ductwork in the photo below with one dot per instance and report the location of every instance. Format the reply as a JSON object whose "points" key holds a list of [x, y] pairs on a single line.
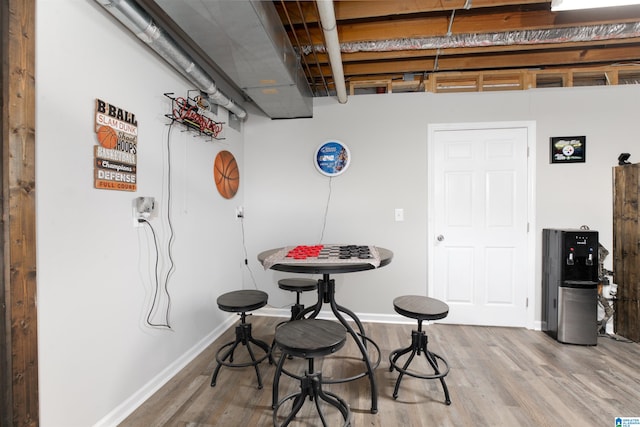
{"points": [[246, 40], [507, 38], [140, 23]]}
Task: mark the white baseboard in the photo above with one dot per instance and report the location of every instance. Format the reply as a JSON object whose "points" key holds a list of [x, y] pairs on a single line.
{"points": [[126, 408], [537, 325]]}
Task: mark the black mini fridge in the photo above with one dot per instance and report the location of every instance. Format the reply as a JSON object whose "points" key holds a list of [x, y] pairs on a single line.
{"points": [[570, 285]]}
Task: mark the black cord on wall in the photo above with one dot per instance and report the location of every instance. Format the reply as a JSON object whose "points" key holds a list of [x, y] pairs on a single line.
{"points": [[165, 283], [244, 248], [326, 211], [157, 287], [171, 232]]}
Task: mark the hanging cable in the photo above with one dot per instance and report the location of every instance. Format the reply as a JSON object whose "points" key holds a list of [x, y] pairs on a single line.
{"points": [[165, 283], [171, 232], [156, 293], [326, 211], [246, 257]]}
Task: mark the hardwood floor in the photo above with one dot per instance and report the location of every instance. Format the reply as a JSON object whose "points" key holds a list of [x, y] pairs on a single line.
{"points": [[499, 377]]}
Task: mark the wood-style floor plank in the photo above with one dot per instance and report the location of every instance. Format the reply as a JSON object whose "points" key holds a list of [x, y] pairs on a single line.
{"points": [[498, 377]]}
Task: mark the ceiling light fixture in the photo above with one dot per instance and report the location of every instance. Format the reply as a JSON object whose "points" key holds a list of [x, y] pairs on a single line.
{"points": [[561, 5]]}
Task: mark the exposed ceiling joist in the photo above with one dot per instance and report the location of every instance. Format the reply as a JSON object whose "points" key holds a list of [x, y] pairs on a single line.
{"points": [[394, 40]]}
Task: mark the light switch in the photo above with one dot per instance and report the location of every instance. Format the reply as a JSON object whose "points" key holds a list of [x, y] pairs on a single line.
{"points": [[399, 214]]}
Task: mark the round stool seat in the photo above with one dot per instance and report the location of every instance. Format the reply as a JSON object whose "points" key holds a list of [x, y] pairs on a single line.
{"points": [[420, 307], [311, 337], [242, 301], [298, 284]]}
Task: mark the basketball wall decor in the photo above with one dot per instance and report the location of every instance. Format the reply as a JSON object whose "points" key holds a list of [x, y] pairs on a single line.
{"points": [[107, 137], [226, 174], [332, 158], [115, 155]]}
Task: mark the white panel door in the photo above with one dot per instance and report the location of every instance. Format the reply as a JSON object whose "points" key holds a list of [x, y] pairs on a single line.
{"points": [[479, 228]]}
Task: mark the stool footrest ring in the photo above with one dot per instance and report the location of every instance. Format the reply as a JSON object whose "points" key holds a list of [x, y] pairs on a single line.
{"points": [[419, 346], [244, 338], [232, 364], [434, 356], [311, 387]]}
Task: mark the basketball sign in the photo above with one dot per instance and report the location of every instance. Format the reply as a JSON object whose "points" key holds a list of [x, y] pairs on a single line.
{"points": [[116, 155], [332, 158], [226, 174]]}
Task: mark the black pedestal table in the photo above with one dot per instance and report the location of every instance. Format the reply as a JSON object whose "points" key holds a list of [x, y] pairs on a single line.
{"points": [[326, 295]]}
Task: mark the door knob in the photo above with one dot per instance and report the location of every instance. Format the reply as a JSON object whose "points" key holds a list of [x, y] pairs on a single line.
{"points": [[440, 238]]}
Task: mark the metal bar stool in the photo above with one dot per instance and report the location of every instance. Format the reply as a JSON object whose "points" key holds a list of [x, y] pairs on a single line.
{"points": [[309, 338], [420, 308], [241, 302], [297, 285]]}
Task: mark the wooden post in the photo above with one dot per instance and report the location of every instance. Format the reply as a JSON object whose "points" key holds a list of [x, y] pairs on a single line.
{"points": [[19, 354], [626, 253]]}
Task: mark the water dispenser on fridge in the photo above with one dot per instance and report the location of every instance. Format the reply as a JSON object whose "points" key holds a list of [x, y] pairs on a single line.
{"points": [[570, 285]]}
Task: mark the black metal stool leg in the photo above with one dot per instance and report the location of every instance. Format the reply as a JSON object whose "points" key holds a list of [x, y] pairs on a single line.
{"points": [[276, 381], [402, 372], [221, 360], [244, 337], [333, 400], [395, 355], [419, 341], [432, 359], [255, 364], [298, 401], [311, 387]]}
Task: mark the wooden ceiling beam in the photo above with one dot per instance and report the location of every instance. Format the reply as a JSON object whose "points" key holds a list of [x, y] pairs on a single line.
{"points": [[347, 58], [535, 59], [467, 22], [350, 10], [371, 9]]}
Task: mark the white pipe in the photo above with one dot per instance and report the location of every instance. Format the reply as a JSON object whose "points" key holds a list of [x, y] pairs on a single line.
{"points": [[329, 27], [140, 23]]}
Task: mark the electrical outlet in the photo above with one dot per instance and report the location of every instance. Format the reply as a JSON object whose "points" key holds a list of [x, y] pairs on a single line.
{"points": [[240, 212], [143, 208]]}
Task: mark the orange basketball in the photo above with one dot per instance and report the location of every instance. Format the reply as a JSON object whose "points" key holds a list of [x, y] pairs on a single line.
{"points": [[107, 137], [226, 174]]}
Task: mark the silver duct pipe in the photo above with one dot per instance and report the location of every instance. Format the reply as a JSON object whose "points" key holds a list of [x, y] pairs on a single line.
{"points": [[140, 23], [329, 27], [507, 38]]}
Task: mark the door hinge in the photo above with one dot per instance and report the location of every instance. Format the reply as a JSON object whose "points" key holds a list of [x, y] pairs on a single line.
{"points": [[526, 302]]}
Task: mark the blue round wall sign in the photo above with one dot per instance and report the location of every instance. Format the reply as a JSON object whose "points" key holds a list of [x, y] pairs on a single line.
{"points": [[332, 158]]}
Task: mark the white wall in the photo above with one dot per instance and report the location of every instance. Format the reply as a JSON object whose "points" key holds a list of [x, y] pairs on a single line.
{"points": [[387, 136], [95, 270]]}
